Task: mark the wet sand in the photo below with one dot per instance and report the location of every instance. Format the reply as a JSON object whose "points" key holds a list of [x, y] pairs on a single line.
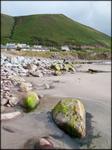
{"points": [[94, 90]]}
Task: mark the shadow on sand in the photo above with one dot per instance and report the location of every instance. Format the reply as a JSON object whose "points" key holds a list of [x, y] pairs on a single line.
{"points": [[59, 136]]}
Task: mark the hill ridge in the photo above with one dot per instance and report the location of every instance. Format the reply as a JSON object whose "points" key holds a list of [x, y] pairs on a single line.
{"points": [[53, 28]]}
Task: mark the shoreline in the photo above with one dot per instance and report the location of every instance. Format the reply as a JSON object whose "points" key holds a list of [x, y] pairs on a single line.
{"points": [[94, 90]]}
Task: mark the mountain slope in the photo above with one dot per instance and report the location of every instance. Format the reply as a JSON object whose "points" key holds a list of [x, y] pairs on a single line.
{"points": [[52, 29], [7, 23]]}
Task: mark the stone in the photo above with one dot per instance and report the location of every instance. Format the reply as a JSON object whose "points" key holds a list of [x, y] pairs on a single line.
{"points": [[11, 115], [41, 143], [47, 86], [13, 100], [94, 71], [65, 67], [56, 67], [36, 73], [40, 96], [4, 101], [68, 67], [31, 101], [69, 115], [24, 87], [57, 73], [17, 79], [31, 67], [44, 143]]}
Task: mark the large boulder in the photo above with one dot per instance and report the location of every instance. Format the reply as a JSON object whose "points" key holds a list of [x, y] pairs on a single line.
{"points": [[67, 66], [31, 101], [56, 67], [69, 115]]}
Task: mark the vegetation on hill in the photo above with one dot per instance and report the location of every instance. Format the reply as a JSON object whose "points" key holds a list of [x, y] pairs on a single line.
{"points": [[7, 23], [51, 30]]}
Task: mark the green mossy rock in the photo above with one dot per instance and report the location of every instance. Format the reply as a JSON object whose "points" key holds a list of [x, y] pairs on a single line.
{"points": [[31, 101], [70, 66], [65, 67], [69, 115], [56, 67], [57, 73]]}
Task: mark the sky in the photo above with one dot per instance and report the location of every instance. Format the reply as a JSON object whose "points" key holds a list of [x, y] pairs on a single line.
{"points": [[96, 14]]}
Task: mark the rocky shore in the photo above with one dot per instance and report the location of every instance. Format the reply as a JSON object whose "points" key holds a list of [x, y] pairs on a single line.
{"points": [[53, 81], [13, 69]]}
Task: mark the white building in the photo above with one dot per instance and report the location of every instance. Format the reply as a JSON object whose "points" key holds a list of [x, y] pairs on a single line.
{"points": [[23, 46], [65, 48], [39, 48], [11, 46]]}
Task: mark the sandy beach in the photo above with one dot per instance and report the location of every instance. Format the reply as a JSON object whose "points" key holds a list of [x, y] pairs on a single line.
{"points": [[94, 90]]}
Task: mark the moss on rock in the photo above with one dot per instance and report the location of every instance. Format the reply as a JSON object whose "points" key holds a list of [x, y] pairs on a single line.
{"points": [[56, 67], [69, 115], [31, 101], [60, 67], [57, 73]]}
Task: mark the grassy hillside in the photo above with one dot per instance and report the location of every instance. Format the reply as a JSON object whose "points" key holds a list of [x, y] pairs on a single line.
{"points": [[52, 30], [7, 23]]}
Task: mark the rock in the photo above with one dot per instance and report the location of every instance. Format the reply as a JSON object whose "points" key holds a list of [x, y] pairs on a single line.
{"points": [[13, 101], [94, 71], [68, 67], [56, 67], [41, 143], [25, 87], [69, 115], [4, 101], [31, 67], [57, 73], [65, 67], [71, 67], [40, 96], [8, 105], [44, 143], [11, 115], [47, 86], [36, 73], [31, 101], [17, 79]]}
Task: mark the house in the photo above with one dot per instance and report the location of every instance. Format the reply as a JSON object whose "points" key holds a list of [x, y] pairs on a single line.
{"points": [[65, 48], [23, 46], [11, 46], [37, 48]]}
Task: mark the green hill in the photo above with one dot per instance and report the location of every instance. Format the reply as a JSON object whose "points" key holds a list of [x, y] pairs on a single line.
{"points": [[7, 23], [50, 29]]}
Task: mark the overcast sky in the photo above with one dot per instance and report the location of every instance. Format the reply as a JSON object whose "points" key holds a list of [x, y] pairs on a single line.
{"points": [[96, 14]]}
